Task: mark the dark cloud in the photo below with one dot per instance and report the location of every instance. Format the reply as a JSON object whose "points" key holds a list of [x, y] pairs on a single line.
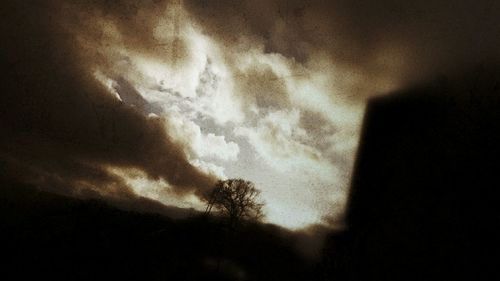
{"points": [[403, 41], [138, 23], [263, 88], [60, 127]]}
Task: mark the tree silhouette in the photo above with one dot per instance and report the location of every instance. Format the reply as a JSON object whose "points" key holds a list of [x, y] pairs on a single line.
{"points": [[236, 199]]}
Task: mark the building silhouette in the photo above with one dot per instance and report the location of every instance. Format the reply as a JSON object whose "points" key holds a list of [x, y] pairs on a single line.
{"points": [[424, 199]]}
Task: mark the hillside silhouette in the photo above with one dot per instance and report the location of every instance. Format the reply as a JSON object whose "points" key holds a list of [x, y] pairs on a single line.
{"points": [[44, 235]]}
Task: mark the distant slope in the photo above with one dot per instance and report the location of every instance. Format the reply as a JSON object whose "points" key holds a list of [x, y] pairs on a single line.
{"points": [[50, 236]]}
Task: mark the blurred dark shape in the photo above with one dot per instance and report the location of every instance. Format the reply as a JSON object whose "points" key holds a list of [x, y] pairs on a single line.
{"points": [[424, 203], [44, 236]]}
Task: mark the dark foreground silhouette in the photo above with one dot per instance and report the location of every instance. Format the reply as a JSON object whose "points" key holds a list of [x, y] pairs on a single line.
{"points": [[50, 237], [425, 199]]}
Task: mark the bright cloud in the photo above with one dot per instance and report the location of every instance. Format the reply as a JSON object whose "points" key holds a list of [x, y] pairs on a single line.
{"points": [[243, 112]]}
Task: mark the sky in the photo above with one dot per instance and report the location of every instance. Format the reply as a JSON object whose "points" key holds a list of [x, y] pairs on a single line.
{"points": [[158, 99], [239, 113]]}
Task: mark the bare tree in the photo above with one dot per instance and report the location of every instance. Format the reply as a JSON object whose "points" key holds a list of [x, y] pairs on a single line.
{"points": [[236, 199]]}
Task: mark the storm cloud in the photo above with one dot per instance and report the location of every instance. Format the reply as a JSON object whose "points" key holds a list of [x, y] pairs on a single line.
{"points": [[60, 126], [104, 98], [374, 43]]}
